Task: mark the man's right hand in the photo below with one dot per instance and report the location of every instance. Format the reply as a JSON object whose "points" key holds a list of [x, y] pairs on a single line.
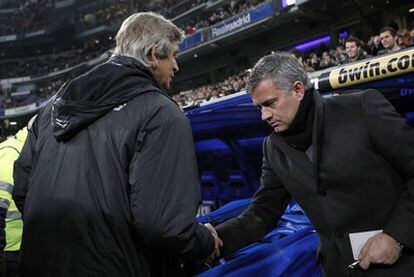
{"points": [[218, 242], [379, 249]]}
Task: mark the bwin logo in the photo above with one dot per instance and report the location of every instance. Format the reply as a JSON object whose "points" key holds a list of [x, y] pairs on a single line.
{"points": [[406, 91], [120, 107]]}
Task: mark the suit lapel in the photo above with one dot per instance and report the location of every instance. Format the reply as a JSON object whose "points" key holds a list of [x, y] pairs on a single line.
{"points": [[317, 136], [297, 161]]}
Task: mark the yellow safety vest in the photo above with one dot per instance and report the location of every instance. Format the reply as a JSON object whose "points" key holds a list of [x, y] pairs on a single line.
{"points": [[9, 152]]}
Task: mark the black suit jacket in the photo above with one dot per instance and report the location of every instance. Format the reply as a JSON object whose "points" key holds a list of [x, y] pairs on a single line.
{"points": [[361, 178]]}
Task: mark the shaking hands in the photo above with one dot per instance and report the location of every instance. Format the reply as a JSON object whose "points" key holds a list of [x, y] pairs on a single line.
{"points": [[217, 240]]}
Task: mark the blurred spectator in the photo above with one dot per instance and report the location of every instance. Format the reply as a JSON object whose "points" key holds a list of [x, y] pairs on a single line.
{"points": [[326, 61], [375, 45], [389, 40], [314, 61], [300, 56], [340, 54], [354, 51], [411, 32]]}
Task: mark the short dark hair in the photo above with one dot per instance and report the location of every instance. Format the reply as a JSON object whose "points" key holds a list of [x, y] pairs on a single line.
{"points": [[354, 39], [297, 53], [392, 31], [280, 67]]}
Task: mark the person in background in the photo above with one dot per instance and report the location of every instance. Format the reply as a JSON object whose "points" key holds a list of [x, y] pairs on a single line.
{"points": [[389, 39], [374, 45], [326, 61], [354, 51], [9, 151], [300, 56]]}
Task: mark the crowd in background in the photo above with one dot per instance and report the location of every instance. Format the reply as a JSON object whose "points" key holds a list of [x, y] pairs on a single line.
{"points": [[44, 91], [209, 92], [169, 8], [43, 65], [226, 11], [323, 57], [106, 16], [317, 59], [30, 18]]}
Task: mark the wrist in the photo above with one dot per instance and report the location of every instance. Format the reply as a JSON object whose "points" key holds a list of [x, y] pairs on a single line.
{"points": [[401, 246]]}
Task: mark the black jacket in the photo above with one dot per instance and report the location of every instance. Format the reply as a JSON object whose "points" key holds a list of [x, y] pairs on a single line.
{"points": [[107, 181], [360, 57], [361, 178]]}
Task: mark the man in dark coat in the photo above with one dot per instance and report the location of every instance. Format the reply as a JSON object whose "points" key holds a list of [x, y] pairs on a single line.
{"points": [[107, 181], [347, 160]]}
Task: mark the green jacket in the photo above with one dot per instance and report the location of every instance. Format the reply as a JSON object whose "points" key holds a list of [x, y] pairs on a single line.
{"points": [[9, 152]]}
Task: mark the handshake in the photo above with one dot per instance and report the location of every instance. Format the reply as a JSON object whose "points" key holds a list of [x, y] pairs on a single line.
{"points": [[217, 242]]}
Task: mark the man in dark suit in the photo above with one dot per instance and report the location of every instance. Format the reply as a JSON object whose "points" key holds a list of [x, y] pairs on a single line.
{"points": [[347, 160]]}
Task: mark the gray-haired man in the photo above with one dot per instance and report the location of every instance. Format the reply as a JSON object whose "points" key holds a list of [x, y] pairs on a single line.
{"points": [[107, 181], [347, 160]]}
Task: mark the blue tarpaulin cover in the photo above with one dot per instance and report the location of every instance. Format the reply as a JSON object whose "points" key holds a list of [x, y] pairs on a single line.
{"points": [[288, 250]]}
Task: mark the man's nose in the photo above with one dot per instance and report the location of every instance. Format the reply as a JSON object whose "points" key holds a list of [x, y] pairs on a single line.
{"points": [[266, 114], [175, 66]]}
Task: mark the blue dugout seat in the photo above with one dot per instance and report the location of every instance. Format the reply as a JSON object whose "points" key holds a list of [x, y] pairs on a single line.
{"points": [[235, 188]]}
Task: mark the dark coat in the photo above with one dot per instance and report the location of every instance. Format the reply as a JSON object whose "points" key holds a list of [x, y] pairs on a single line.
{"points": [[107, 181], [362, 179], [360, 57]]}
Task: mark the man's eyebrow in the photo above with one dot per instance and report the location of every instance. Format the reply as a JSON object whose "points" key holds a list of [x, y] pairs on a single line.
{"points": [[268, 102]]}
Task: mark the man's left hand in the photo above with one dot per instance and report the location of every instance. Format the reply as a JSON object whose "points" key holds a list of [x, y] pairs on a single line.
{"points": [[380, 249]]}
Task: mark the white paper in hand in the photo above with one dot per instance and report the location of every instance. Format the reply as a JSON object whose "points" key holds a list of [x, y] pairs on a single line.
{"points": [[359, 239]]}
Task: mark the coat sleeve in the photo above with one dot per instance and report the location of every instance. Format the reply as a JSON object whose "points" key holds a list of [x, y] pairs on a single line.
{"points": [[262, 215], [23, 168], [393, 137], [165, 190]]}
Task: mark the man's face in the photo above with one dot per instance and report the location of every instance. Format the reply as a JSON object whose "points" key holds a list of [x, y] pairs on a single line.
{"points": [[351, 49], [388, 40], [164, 71], [277, 108]]}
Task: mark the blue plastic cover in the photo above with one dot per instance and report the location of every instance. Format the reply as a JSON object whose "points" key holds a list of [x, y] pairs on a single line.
{"points": [[288, 250]]}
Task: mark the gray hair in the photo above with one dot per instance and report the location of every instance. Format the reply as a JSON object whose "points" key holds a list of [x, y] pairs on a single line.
{"points": [[140, 32], [280, 67]]}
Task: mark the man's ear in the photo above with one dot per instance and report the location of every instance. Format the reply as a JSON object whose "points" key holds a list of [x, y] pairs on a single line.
{"points": [[299, 90], [153, 56]]}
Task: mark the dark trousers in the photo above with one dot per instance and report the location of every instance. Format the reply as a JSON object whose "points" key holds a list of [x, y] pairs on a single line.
{"points": [[2, 264], [12, 262]]}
